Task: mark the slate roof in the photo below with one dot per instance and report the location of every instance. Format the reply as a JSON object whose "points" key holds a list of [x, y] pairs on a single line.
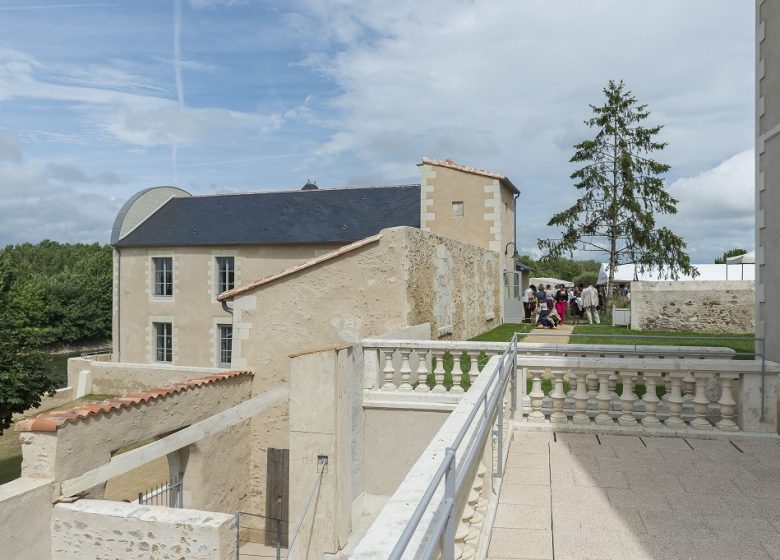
{"points": [[284, 217]]}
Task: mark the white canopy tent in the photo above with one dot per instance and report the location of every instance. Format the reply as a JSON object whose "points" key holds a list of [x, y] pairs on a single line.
{"points": [[551, 281], [625, 273]]}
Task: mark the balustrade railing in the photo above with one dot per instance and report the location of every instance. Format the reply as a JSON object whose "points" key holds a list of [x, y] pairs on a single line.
{"points": [[429, 366], [652, 393]]}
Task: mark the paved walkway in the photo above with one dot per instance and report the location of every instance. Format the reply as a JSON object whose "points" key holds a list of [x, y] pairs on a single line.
{"points": [[561, 333], [576, 496]]}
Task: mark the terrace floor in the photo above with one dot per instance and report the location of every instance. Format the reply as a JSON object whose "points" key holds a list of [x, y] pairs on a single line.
{"points": [[576, 496]]}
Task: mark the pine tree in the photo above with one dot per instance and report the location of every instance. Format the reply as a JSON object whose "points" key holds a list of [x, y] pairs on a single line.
{"points": [[623, 190]]}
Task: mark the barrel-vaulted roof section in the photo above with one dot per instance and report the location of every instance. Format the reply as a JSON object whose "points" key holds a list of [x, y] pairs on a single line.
{"points": [[284, 217]]}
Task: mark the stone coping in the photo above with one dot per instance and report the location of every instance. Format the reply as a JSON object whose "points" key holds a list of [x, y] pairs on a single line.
{"points": [[650, 364], [52, 421]]}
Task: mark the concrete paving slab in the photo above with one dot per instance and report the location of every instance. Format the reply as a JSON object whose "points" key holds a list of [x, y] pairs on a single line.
{"points": [[665, 442], [519, 544], [529, 460], [622, 441], [522, 475], [516, 516], [526, 494]]}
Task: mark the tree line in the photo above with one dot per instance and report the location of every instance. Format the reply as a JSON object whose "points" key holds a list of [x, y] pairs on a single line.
{"points": [[51, 294]]}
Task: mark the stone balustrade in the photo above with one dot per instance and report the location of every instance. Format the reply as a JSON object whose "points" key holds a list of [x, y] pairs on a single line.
{"points": [[651, 393], [428, 366]]}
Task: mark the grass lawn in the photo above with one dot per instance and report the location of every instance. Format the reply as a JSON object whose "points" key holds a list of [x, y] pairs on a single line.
{"points": [[744, 347], [11, 448], [503, 333]]}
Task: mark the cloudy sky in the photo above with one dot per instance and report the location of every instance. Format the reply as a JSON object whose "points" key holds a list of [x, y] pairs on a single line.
{"points": [[101, 99]]}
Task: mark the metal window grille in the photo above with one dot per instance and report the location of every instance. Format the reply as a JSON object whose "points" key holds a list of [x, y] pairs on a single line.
{"points": [[163, 276], [164, 341], [226, 274], [225, 345], [168, 494]]}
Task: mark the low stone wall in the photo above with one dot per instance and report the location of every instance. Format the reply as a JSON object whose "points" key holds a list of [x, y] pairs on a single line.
{"points": [[701, 306], [102, 529], [88, 376], [25, 511]]}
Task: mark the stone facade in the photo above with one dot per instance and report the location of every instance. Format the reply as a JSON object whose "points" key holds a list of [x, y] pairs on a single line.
{"points": [[699, 306], [768, 175], [99, 529]]}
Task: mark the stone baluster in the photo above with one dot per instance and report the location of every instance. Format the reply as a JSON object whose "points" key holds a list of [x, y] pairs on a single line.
{"points": [[651, 399], [604, 398], [667, 386], [406, 370], [593, 389], [422, 372], [537, 396], [473, 365], [701, 402], [388, 371], [581, 398], [675, 401], [627, 399], [727, 403], [457, 373], [438, 371], [688, 387], [558, 398], [572, 385], [613, 379]]}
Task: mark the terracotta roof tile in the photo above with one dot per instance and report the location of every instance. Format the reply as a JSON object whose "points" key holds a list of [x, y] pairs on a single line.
{"points": [[52, 421]]}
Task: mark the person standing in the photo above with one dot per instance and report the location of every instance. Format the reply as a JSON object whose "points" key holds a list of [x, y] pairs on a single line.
{"points": [[561, 299], [528, 295], [590, 303]]}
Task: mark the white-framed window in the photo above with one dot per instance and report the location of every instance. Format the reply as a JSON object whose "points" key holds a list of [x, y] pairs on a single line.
{"points": [[457, 209], [163, 341], [226, 274], [224, 345], [163, 276]]}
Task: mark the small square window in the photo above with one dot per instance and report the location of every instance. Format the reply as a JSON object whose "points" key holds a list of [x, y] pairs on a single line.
{"points": [[225, 348], [457, 209], [226, 274], [163, 276], [163, 336]]}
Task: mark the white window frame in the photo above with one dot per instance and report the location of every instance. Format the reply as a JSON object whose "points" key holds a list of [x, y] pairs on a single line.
{"points": [[221, 351], [167, 341], [159, 285], [226, 277]]}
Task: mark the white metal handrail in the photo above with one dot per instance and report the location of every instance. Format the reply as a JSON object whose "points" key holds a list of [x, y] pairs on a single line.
{"points": [[454, 478]]}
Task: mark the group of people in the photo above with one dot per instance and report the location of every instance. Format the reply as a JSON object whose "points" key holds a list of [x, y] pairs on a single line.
{"points": [[552, 306]]}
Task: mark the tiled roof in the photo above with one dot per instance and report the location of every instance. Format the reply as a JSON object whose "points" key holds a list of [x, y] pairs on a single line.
{"points": [[298, 267], [52, 421], [273, 218], [448, 163]]}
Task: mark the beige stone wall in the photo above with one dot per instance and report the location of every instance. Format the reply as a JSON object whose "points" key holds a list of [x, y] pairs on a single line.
{"points": [[768, 175], [193, 309], [113, 378], [394, 440], [702, 306], [102, 529], [216, 469], [25, 514], [407, 278], [488, 208]]}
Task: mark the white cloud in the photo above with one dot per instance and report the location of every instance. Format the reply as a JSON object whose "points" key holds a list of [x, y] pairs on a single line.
{"points": [[41, 201]]}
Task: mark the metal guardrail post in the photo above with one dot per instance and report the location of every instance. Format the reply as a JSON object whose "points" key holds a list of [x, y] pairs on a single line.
{"points": [[762, 346], [278, 539], [238, 534], [499, 471], [448, 537]]}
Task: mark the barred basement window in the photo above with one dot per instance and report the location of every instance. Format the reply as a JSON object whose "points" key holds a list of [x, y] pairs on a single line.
{"points": [[226, 274], [225, 345], [163, 336], [163, 276]]}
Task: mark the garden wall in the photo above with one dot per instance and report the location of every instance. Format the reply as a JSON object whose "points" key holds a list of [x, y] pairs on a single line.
{"points": [[710, 306]]}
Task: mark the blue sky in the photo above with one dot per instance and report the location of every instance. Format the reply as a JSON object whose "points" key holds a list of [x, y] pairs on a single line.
{"points": [[353, 92]]}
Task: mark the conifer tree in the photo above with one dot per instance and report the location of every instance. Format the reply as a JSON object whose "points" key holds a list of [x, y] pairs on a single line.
{"points": [[622, 191]]}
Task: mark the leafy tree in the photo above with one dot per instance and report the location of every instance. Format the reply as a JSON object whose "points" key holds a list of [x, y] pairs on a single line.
{"points": [[561, 267], [728, 254], [23, 379], [623, 190]]}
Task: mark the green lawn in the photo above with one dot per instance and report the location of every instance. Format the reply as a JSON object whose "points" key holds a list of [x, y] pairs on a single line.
{"points": [[742, 344], [503, 333], [11, 448]]}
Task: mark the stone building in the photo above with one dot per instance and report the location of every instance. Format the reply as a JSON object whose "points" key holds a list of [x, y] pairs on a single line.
{"points": [[174, 253]]}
